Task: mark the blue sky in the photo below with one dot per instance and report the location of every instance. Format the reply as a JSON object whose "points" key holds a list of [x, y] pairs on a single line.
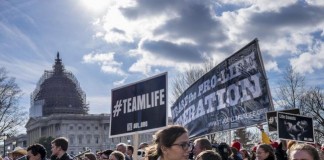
{"points": [[107, 44]]}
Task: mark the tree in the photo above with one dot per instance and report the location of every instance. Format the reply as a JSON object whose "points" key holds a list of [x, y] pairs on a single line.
{"points": [[46, 142], [291, 89], [183, 80], [292, 93], [11, 115], [313, 106], [243, 136]]}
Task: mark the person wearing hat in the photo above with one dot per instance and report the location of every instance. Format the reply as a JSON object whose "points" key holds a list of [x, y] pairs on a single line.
{"points": [[17, 153]]}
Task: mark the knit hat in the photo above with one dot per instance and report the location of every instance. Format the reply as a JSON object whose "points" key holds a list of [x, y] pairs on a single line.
{"points": [[236, 145], [274, 145]]}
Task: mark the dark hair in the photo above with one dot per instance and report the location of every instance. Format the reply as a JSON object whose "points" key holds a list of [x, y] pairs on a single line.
{"points": [[106, 152], [268, 149], [245, 154], [307, 148], [143, 145], [90, 156], [204, 143], [209, 155], [37, 148], [129, 147], [166, 137], [119, 155], [224, 150], [61, 142]]}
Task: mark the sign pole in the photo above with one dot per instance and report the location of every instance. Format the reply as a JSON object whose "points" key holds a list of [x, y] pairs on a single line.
{"points": [[135, 145]]}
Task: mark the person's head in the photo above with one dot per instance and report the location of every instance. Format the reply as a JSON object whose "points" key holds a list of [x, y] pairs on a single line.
{"points": [[59, 146], [224, 150], [234, 151], [130, 150], [290, 144], [244, 153], [172, 142], [104, 155], [36, 152], [90, 156], [208, 155], [265, 151], [121, 147], [303, 152], [201, 144], [236, 144], [116, 155], [17, 153], [143, 145]]}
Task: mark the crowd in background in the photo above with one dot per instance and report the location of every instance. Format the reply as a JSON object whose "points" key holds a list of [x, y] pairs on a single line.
{"points": [[172, 143]]}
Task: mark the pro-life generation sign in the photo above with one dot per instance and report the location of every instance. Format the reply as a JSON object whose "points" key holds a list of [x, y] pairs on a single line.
{"points": [[234, 94], [139, 107]]}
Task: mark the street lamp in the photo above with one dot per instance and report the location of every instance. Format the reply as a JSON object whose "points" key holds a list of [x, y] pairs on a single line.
{"points": [[14, 144], [4, 137]]}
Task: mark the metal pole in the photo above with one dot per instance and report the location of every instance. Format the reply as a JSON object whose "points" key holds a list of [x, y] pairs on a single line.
{"points": [[4, 147]]}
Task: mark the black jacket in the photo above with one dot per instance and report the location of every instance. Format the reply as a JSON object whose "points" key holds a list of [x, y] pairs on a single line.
{"points": [[65, 157]]}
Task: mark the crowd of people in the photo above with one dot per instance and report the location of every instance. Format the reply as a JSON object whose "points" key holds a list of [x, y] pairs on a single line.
{"points": [[173, 143]]}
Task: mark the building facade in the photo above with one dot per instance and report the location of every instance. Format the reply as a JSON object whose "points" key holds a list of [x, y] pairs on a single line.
{"points": [[58, 109]]}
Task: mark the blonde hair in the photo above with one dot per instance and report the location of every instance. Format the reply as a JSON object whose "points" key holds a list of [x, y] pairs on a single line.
{"points": [[307, 148]]}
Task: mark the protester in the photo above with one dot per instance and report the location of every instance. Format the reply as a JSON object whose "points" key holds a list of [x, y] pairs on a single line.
{"points": [[122, 147], [265, 152], [236, 155], [280, 153], [130, 151], [303, 152], [170, 143], [36, 152], [117, 155], [201, 144], [90, 156], [253, 154], [59, 148], [236, 147], [105, 154], [245, 154], [143, 145], [289, 145], [208, 155], [224, 151], [17, 153]]}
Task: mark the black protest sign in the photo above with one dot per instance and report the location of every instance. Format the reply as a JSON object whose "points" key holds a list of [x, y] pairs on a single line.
{"points": [[234, 94], [139, 107], [295, 127], [272, 118]]}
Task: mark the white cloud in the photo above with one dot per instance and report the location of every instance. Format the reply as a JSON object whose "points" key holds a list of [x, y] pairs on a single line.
{"points": [[120, 82], [271, 65], [309, 61], [315, 2], [106, 61], [116, 28]]}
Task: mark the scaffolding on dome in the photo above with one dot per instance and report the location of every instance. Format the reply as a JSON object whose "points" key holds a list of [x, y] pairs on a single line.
{"points": [[61, 91]]}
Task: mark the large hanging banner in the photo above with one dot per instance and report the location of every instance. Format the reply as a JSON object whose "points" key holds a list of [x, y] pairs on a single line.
{"points": [[295, 127], [139, 107], [232, 95]]}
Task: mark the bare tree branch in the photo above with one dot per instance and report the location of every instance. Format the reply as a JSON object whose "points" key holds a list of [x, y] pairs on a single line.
{"points": [[11, 115]]}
